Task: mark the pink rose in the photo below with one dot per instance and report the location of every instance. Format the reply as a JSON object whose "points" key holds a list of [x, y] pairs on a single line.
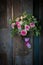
{"points": [[23, 32], [27, 27], [32, 25], [12, 25], [17, 23], [18, 26]]}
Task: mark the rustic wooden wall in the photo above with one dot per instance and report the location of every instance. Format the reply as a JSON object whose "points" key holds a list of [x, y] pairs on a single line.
{"points": [[5, 36], [41, 38], [3, 13], [21, 6], [6, 43]]}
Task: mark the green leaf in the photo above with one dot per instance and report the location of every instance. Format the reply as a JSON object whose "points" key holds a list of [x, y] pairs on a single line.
{"points": [[35, 21], [37, 33], [10, 21]]}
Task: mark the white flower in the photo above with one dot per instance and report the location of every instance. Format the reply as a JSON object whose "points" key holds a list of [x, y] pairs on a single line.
{"points": [[21, 17], [24, 16], [17, 19], [21, 22], [12, 25]]}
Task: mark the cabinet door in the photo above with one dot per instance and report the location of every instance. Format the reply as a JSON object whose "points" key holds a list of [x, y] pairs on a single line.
{"points": [[19, 56]]}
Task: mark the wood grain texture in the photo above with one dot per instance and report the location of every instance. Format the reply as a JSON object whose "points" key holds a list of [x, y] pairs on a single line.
{"points": [[19, 50], [3, 13]]}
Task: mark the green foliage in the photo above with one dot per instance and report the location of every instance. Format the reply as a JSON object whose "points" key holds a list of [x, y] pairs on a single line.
{"points": [[26, 19]]}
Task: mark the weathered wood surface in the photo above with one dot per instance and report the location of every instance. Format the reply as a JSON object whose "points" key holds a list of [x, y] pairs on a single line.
{"points": [[18, 52], [3, 55], [9, 46], [21, 54], [3, 13], [5, 36]]}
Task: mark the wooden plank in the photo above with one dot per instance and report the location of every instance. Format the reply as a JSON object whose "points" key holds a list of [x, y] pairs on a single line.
{"points": [[36, 39], [19, 7], [3, 13], [36, 50]]}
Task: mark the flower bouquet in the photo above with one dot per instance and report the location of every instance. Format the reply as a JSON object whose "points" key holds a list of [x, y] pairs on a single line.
{"points": [[24, 25]]}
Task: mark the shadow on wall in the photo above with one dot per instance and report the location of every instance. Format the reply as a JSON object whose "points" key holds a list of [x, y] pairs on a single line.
{"points": [[3, 55]]}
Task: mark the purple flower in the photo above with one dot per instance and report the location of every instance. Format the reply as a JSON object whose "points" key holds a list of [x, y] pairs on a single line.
{"points": [[28, 45], [27, 39]]}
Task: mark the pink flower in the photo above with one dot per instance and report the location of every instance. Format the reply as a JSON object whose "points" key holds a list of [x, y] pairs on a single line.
{"points": [[28, 45], [27, 39], [12, 25], [17, 23], [32, 25], [23, 32], [18, 26], [27, 27]]}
